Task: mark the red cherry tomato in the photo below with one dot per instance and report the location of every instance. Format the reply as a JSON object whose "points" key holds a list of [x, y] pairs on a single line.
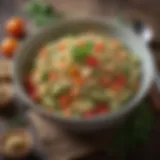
{"points": [[9, 46], [15, 27]]}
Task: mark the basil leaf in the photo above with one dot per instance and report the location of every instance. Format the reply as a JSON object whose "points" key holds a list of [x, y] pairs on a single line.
{"points": [[80, 53]]}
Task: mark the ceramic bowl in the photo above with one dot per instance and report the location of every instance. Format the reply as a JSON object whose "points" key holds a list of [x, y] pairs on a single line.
{"points": [[29, 50]]}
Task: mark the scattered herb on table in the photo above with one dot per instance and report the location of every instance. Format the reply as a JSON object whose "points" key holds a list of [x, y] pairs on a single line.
{"points": [[41, 13]]}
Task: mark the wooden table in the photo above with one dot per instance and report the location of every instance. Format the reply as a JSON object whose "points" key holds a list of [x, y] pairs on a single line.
{"points": [[145, 10]]}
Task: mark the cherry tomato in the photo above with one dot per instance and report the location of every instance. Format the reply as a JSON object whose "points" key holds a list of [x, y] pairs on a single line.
{"points": [[9, 46], [15, 27]]}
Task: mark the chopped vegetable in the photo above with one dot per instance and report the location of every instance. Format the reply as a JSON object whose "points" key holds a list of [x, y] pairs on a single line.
{"points": [[105, 81], [60, 87], [52, 76], [74, 71], [64, 101], [89, 114], [92, 62], [102, 109], [79, 80], [98, 95], [99, 48], [75, 91]]}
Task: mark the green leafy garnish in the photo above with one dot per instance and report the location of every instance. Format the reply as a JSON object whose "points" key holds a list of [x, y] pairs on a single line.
{"points": [[41, 13], [80, 53]]}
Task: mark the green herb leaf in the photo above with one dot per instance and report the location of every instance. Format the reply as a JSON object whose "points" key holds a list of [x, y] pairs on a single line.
{"points": [[80, 53]]}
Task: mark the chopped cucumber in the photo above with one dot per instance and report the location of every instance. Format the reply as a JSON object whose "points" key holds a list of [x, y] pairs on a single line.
{"points": [[60, 87], [50, 102], [98, 96], [82, 105]]}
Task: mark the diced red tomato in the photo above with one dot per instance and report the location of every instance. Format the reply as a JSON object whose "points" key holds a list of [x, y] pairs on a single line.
{"points": [[119, 83], [31, 89], [89, 114], [117, 86], [29, 85], [121, 79], [102, 109], [105, 81], [79, 80], [74, 71], [64, 101], [35, 96], [92, 62], [99, 48], [52, 76], [75, 91]]}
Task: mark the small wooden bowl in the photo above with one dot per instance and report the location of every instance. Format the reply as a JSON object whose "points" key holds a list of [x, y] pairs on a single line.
{"points": [[22, 150]]}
